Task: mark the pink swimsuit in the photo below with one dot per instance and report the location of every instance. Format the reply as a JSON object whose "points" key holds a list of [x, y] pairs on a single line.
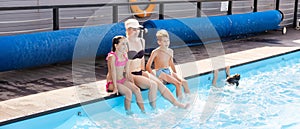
{"points": [[117, 63]]}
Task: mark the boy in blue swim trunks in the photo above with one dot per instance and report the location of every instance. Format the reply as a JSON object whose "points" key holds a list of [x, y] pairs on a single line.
{"points": [[163, 61]]}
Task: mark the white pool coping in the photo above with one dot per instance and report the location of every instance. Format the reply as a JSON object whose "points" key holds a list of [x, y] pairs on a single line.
{"points": [[45, 101]]}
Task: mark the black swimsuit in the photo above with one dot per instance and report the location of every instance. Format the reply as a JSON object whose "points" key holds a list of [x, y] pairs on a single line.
{"points": [[136, 55]]}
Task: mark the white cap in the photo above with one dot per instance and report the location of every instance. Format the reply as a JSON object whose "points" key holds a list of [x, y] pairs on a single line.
{"points": [[132, 23]]}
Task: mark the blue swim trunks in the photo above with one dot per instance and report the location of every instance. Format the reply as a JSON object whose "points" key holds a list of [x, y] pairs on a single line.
{"points": [[165, 70]]}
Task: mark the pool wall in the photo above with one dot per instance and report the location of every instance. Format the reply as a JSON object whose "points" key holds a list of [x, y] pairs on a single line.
{"points": [[53, 118]]}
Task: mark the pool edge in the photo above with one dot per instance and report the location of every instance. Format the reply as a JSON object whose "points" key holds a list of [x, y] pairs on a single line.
{"points": [[77, 104]]}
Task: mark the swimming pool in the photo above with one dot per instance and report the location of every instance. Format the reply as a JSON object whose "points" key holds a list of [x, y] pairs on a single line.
{"points": [[268, 98]]}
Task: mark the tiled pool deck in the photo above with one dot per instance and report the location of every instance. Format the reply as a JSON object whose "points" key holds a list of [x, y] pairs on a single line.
{"points": [[236, 52]]}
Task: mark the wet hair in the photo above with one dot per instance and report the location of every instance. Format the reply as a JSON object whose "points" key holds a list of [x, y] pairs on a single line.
{"points": [[161, 33], [116, 40]]}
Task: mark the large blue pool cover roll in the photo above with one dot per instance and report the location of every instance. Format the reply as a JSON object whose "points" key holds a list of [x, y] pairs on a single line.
{"points": [[30, 50], [203, 29], [189, 30], [255, 22]]}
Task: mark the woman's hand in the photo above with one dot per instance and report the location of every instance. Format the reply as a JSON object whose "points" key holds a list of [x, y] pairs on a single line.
{"points": [[130, 78]]}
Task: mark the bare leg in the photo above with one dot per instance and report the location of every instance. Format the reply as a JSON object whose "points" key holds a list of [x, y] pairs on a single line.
{"points": [[170, 79], [137, 93], [215, 78], [186, 87], [165, 92], [128, 95], [146, 83], [227, 71], [183, 82]]}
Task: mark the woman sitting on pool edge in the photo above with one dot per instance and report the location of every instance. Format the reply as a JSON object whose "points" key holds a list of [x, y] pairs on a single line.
{"points": [[116, 82]]}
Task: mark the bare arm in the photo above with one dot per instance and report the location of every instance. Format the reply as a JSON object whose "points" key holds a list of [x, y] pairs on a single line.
{"points": [[171, 62], [113, 73], [143, 63], [143, 59], [150, 61], [128, 72]]}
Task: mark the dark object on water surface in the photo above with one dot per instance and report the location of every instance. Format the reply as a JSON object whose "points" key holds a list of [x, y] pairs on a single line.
{"points": [[234, 79]]}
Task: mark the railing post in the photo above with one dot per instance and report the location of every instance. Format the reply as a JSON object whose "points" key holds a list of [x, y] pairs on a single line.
{"points": [[295, 13], [161, 11], [255, 6], [199, 8], [55, 18], [277, 4], [115, 14], [229, 12]]}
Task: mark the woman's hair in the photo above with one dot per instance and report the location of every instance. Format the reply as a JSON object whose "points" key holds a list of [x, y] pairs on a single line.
{"points": [[116, 40]]}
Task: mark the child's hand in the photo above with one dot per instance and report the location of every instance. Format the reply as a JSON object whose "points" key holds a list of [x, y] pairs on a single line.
{"points": [[115, 91]]}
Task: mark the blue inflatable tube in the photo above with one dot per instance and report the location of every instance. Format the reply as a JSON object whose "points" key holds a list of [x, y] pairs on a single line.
{"points": [[200, 30], [31, 50]]}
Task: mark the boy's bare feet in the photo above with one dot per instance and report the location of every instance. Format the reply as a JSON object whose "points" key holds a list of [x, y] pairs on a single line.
{"points": [[183, 106]]}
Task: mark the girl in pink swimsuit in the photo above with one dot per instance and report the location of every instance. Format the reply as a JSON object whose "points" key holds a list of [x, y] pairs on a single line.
{"points": [[117, 68]]}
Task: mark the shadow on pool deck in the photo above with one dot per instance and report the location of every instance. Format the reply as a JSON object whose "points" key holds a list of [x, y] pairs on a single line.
{"points": [[24, 82]]}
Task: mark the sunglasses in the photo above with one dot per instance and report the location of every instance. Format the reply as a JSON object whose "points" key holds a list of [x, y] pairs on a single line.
{"points": [[135, 29]]}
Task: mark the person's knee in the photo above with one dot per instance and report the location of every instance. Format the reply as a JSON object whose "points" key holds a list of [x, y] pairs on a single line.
{"points": [[177, 84], [128, 95], [184, 82], [136, 90], [153, 85]]}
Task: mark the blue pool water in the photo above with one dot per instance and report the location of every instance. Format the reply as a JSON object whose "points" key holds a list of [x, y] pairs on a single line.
{"points": [[268, 97]]}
